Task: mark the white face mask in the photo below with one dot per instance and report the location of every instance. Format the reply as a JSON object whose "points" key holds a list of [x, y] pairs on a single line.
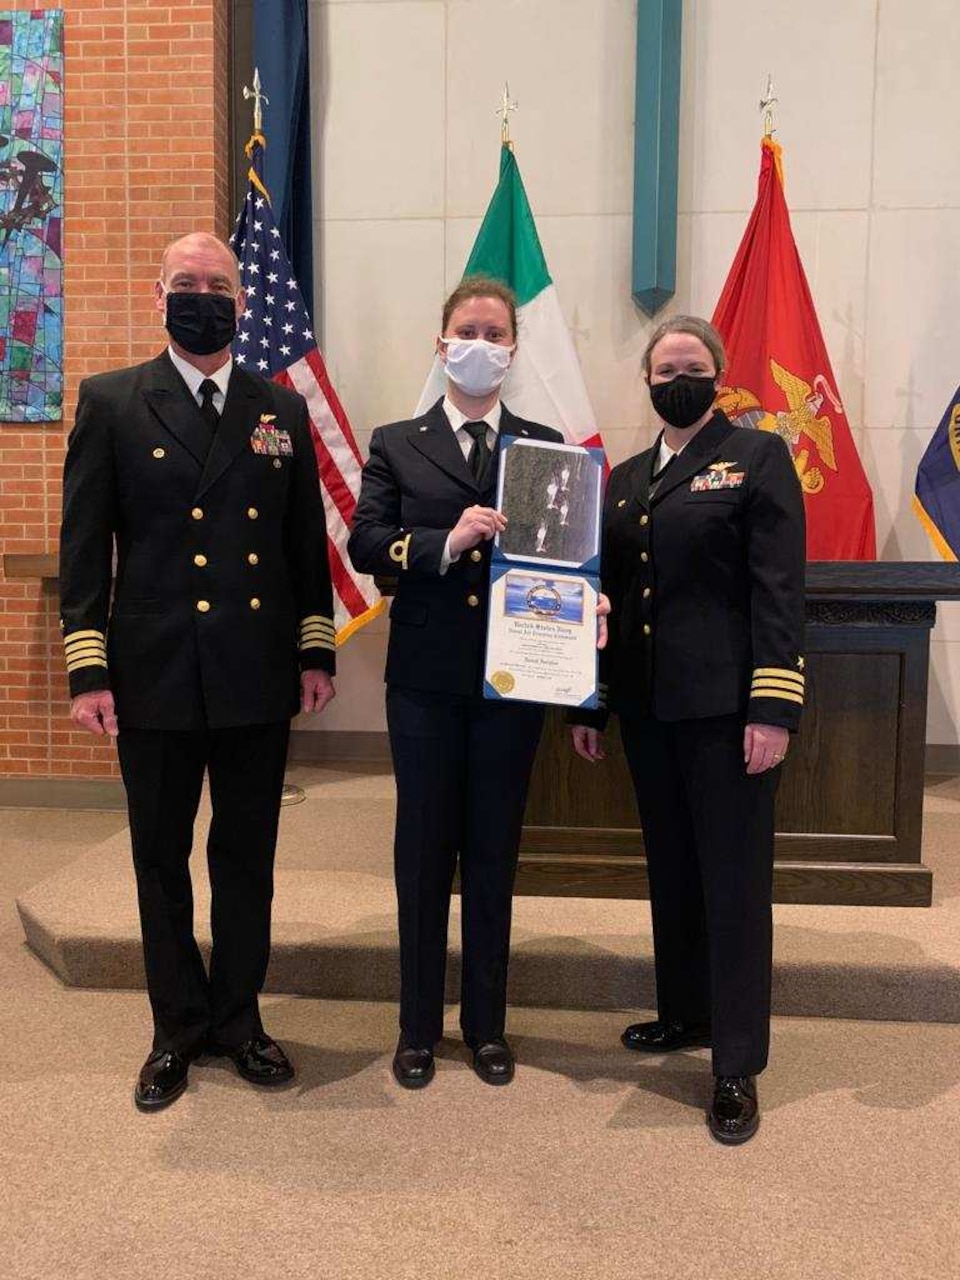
{"points": [[476, 366]]}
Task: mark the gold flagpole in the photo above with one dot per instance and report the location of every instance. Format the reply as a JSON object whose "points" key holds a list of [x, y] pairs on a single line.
{"points": [[291, 794]]}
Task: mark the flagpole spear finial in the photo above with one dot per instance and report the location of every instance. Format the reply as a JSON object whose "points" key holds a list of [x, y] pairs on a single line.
{"points": [[767, 103], [259, 99], [503, 111]]}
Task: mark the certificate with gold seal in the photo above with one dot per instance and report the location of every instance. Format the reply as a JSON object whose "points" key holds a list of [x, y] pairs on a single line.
{"points": [[542, 623], [542, 637]]}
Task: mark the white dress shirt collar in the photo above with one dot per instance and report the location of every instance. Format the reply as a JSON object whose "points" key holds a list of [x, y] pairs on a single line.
{"points": [[193, 377], [665, 453], [456, 418]]}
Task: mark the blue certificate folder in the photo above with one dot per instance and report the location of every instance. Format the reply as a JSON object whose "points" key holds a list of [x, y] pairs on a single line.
{"points": [[544, 574]]}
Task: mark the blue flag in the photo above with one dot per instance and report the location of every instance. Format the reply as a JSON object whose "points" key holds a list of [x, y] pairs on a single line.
{"points": [[937, 501], [281, 52]]}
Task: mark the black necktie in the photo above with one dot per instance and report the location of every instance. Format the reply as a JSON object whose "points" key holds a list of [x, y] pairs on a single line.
{"points": [[657, 476], [479, 455], [208, 389]]}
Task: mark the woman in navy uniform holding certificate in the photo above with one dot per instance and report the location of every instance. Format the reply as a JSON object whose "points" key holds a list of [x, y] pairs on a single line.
{"points": [[703, 561], [426, 516]]}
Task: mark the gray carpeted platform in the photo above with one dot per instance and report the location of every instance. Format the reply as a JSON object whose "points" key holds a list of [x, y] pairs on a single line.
{"points": [[335, 933]]}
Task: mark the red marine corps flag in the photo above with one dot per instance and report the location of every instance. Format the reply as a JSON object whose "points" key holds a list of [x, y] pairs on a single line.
{"points": [[779, 376]]}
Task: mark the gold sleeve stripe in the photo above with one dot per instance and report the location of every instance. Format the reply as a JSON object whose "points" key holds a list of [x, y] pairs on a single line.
{"points": [[317, 626], [781, 694], [76, 636], [317, 633], [317, 644], [769, 683], [781, 673], [87, 651], [85, 662], [316, 617]]}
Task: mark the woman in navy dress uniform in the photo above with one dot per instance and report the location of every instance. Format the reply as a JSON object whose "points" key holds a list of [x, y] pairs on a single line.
{"points": [[703, 561], [426, 516]]}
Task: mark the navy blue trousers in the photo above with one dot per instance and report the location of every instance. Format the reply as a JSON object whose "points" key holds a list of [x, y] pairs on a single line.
{"points": [[163, 775], [708, 831], [462, 766]]}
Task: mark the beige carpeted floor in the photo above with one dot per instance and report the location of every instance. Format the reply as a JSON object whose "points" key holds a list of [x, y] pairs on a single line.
{"points": [[334, 919], [593, 1164]]}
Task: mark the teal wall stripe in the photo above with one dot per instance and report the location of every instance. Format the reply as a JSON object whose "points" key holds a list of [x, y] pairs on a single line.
{"points": [[656, 152]]}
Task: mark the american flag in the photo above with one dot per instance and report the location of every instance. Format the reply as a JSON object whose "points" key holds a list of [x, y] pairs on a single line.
{"points": [[275, 339]]}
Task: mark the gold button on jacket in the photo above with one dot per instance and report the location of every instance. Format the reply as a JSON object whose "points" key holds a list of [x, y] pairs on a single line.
{"points": [[473, 601], [476, 556], [186, 649], [254, 603]]}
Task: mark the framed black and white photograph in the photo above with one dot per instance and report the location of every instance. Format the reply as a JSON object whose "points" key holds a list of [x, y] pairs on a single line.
{"points": [[551, 496]]}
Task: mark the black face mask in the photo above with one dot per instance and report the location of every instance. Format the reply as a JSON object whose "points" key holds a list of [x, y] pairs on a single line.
{"points": [[201, 323], [684, 399]]}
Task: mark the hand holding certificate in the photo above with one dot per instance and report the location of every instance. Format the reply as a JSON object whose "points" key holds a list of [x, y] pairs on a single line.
{"points": [[542, 634]]}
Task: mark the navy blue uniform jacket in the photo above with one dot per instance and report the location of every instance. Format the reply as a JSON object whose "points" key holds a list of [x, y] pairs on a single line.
{"points": [[415, 486], [222, 589], [706, 582]]}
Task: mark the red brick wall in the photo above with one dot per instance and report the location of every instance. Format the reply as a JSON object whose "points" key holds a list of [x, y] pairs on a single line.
{"points": [[145, 160]]}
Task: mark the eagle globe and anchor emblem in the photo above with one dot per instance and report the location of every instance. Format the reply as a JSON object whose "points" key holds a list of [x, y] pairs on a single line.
{"points": [[802, 417]]}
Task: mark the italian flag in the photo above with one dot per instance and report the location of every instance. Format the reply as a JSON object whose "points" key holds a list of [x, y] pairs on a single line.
{"points": [[545, 383]]}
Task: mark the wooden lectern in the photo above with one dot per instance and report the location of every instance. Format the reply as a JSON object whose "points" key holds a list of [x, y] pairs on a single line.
{"points": [[850, 804]]}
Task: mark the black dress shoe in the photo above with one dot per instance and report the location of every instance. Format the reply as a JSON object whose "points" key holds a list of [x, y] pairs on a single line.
{"points": [[163, 1077], [412, 1067], [492, 1060], [260, 1060], [735, 1114], [665, 1037]]}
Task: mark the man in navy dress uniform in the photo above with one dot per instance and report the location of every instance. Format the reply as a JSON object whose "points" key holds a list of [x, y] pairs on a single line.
{"points": [[202, 480]]}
